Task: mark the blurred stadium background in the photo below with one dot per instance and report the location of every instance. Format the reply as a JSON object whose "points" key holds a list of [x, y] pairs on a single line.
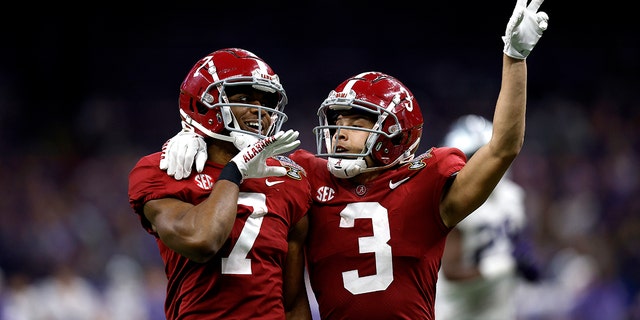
{"points": [[84, 95]]}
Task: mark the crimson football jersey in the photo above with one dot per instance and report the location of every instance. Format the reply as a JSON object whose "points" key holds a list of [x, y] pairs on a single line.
{"points": [[244, 280], [374, 249]]}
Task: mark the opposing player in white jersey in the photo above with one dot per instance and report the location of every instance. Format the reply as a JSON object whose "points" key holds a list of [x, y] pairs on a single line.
{"points": [[479, 271]]}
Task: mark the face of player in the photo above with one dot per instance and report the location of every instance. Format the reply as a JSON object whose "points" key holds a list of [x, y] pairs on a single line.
{"points": [[250, 118], [349, 140]]}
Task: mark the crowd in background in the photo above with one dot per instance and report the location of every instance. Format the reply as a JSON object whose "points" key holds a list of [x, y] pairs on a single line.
{"points": [[68, 237]]}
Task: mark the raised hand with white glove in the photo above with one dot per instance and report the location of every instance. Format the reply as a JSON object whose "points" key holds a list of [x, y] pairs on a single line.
{"points": [[181, 152], [524, 29], [250, 162]]}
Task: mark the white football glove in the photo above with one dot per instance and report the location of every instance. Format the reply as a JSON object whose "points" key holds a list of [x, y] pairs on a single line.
{"points": [[251, 161], [524, 29], [181, 152]]}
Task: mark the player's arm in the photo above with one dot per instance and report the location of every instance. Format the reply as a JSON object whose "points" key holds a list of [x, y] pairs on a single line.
{"points": [[477, 179], [454, 267], [195, 231], [475, 182], [296, 301], [199, 231]]}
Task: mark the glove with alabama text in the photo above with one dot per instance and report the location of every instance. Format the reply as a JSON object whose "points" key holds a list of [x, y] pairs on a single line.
{"points": [[181, 152], [251, 161], [524, 29]]}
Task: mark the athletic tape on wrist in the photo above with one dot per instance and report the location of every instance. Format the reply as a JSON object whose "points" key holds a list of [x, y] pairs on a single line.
{"points": [[231, 173]]}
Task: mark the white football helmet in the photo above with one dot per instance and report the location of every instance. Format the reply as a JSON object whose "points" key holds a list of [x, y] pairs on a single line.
{"points": [[468, 133]]}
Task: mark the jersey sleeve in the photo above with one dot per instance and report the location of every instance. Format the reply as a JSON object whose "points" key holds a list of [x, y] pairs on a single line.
{"points": [[449, 160], [148, 182], [299, 200]]}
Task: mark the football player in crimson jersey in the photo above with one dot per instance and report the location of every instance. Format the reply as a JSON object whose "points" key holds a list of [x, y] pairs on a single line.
{"points": [[230, 237], [380, 215]]}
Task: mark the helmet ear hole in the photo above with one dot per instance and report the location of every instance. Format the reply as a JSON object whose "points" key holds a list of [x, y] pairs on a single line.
{"points": [[399, 139], [202, 108], [386, 150]]}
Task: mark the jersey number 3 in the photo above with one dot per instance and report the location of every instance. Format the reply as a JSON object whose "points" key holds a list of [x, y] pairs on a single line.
{"points": [[376, 244]]}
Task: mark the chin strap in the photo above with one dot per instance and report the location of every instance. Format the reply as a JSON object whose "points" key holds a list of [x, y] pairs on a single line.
{"points": [[346, 168], [349, 168], [240, 140]]}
